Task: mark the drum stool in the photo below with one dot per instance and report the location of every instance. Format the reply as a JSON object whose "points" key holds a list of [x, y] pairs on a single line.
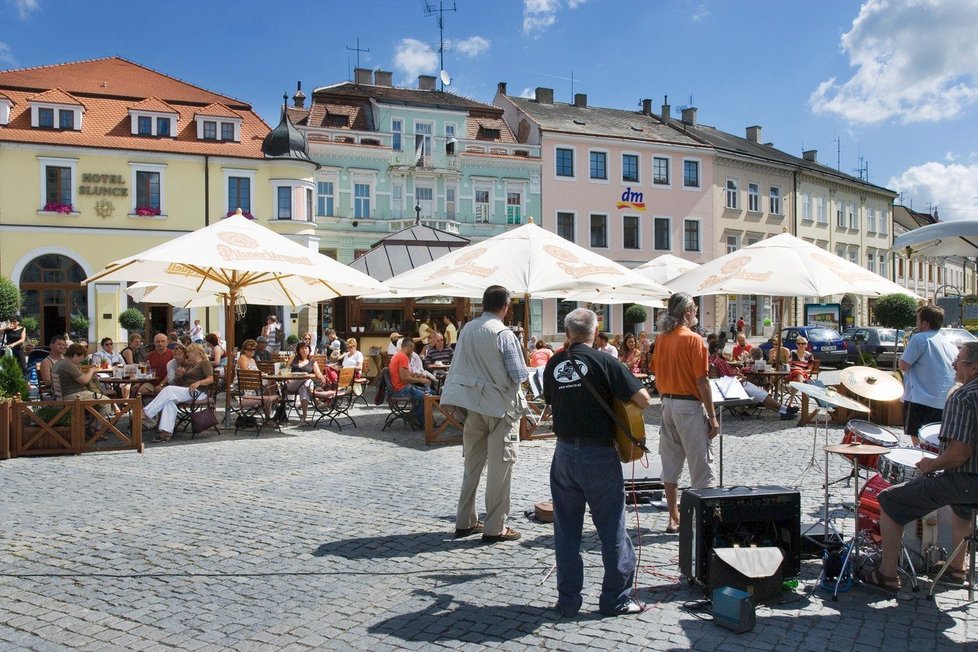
{"points": [[972, 542]]}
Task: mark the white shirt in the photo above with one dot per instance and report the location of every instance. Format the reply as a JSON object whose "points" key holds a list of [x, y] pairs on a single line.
{"points": [[113, 358], [393, 348], [356, 360], [196, 333], [610, 350]]}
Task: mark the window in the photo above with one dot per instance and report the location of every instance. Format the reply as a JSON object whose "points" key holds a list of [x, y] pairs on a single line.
{"points": [[881, 259], [308, 204], [599, 165], [284, 203], [853, 217], [514, 208], [691, 174], [239, 194], [564, 308], [424, 197], [883, 221], [148, 189], [806, 207], [227, 131], [66, 119], [565, 226], [324, 201], [753, 198], [397, 200], [660, 234], [45, 118], [361, 200], [732, 243], [599, 230], [871, 220], [210, 130], [629, 232], [162, 126], [731, 194], [900, 267], [660, 171], [840, 251], [871, 262], [820, 210], [450, 194], [629, 168], [565, 162], [449, 138], [775, 200], [144, 125], [691, 235], [422, 138], [396, 128], [483, 210], [57, 185], [840, 215]]}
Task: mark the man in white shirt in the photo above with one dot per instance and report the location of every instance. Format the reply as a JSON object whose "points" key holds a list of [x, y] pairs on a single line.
{"points": [[106, 352], [601, 343]]}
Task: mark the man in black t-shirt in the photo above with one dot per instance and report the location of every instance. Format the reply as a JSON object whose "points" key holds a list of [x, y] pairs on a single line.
{"points": [[586, 471]]}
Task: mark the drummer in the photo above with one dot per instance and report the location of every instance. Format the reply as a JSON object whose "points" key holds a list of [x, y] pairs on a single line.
{"points": [[957, 486]]}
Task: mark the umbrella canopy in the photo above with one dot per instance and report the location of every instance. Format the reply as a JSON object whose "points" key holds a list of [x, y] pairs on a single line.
{"points": [[665, 268], [529, 261], [784, 266], [189, 298], [957, 238]]}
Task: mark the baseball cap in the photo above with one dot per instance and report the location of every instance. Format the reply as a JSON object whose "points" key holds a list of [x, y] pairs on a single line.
{"points": [[395, 335]]}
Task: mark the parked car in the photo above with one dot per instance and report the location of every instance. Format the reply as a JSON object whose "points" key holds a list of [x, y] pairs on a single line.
{"points": [[874, 341], [958, 336], [826, 344]]}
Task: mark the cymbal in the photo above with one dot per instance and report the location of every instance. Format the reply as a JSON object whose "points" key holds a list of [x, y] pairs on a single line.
{"points": [[874, 384], [855, 449], [829, 395]]}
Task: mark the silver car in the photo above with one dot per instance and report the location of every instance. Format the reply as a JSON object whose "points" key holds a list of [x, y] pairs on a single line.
{"points": [[875, 342]]}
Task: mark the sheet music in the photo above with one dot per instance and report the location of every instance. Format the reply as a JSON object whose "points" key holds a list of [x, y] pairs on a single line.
{"points": [[727, 388]]}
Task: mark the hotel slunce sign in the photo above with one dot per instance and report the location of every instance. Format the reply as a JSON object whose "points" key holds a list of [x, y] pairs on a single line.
{"points": [[103, 184]]}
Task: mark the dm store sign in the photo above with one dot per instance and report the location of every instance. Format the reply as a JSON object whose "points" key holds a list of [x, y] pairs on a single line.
{"points": [[632, 200]]}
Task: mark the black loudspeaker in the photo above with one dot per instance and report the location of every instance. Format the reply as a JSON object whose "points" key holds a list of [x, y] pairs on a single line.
{"points": [[738, 516]]}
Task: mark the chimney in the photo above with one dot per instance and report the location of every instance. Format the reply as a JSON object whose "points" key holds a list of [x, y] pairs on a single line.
{"points": [[810, 155], [299, 99], [754, 133], [689, 116], [501, 88], [426, 82], [363, 76], [646, 107], [544, 95], [383, 78], [666, 109], [580, 100]]}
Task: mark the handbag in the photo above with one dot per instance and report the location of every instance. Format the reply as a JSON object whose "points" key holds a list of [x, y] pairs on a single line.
{"points": [[203, 418], [627, 418]]}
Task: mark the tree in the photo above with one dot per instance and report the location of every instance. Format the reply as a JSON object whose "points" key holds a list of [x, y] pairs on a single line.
{"points": [[12, 382], [132, 320], [636, 314], [10, 299], [895, 311]]}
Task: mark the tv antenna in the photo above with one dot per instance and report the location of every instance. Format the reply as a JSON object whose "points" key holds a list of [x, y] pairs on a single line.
{"points": [[430, 10], [863, 169], [358, 50]]}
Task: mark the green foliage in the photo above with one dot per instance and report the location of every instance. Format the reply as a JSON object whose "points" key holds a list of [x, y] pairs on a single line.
{"points": [[48, 412], [10, 299], [291, 340], [895, 310], [30, 324], [767, 321], [636, 314], [867, 359], [970, 299], [12, 381], [132, 320], [79, 323]]}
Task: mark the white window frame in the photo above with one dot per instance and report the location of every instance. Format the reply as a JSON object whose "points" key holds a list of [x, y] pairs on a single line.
{"points": [[638, 169], [884, 221], [5, 107], [607, 167], [699, 233], [477, 211], [150, 167], [335, 180], [397, 203], [733, 243], [451, 201], [607, 231], [299, 199], [154, 118], [699, 174], [881, 259], [668, 160], [573, 215], [251, 175], [871, 261], [48, 161], [573, 150], [400, 132], [776, 202], [853, 216], [731, 196], [427, 139], [753, 197], [638, 232], [820, 215], [519, 188], [55, 107], [806, 207], [870, 220], [370, 182], [840, 215], [453, 128], [200, 119], [668, 221]]}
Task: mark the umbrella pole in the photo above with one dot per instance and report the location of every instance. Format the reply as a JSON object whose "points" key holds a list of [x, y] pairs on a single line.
{"points": [[526, 327], [228, 368]]}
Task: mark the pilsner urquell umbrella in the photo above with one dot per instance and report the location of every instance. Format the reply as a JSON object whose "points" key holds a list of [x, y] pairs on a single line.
{"points": [[236, 256], [954, 238]]}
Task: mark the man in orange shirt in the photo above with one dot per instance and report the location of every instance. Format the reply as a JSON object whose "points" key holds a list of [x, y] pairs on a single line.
{"points": [[681, 366], [403, 380]]}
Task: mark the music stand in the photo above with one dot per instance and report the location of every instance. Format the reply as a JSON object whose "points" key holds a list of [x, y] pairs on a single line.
{"points": [[727, 392]]}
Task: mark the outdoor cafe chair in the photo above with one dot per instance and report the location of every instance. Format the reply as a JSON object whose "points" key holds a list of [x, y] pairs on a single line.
{"points": [[253, 402], [333, 404], [399, 408], [185, 410]]}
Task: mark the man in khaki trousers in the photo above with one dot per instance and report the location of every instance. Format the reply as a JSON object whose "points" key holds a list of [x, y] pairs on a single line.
{"points": [[487, 370]]}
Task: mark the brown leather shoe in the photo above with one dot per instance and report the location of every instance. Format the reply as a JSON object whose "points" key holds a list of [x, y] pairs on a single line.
{"points": [[509, 534]]}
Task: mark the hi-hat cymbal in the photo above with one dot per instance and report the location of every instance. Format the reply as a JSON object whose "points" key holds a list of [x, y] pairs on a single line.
{"points": [[874, 384], [855, 449], [829, 395]]}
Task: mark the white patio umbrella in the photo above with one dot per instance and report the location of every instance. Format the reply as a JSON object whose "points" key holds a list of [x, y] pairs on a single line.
{"points": [[237, 255], [181, 297], [954, 238], [665, 267]]}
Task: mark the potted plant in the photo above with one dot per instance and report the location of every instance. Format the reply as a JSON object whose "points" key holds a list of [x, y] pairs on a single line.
{"points": [[147, 211], [132, 320], [636, 314], [12, 381], [57, 207], [291, 340], [79, 324]]}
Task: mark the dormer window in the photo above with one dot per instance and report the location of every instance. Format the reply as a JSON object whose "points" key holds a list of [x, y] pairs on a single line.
{"points": [[210, 130], [227, 131], [487, 134], [218, 122], [45, 118], [5, 106], [339, 121], [144, 125], [152, 117], [55, 109]]}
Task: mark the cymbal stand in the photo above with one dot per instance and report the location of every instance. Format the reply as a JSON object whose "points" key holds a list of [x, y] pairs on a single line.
{"points": [[821, 415]]}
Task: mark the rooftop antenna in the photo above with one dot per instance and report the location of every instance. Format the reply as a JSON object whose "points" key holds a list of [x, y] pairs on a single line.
{"points": [[430, 10], [838, 153], [357, 50], [863, 169], [572, 84]]}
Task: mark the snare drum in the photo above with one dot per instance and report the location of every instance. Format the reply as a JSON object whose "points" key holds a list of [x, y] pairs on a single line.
{"points": [[863, 432], [900, 464], [928, 437]]}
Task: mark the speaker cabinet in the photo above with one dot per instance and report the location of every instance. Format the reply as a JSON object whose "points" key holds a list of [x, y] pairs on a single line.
{"points": [[767, 516]]}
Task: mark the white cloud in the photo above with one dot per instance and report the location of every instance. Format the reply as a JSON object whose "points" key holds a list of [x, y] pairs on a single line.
{"points": [[6, 56], [953, 188], [915, 61], [472, 46], [538, 15], [26, 7], [413, 58], [701, 12], [528, 93]]}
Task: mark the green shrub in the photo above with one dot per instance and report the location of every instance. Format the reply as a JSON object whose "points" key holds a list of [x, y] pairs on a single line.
{"points": [[292, 340], [896, 310], [30, 324], [636, 314], [48, 412], [10, 299], [132, 320], [12, 381], [79, 323]]}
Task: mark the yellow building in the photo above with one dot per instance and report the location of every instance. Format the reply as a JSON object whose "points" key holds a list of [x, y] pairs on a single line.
{"points": [[102, 159]]}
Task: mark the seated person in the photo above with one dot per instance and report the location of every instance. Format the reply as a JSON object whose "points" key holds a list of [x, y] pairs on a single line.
{"points": [[541, 355], [262, 354], [416, 363], [219, 355], [107, 355], [58, 344], [175, 366], [956, 486], [742, 348], [601, 343], [758, 395], [405, 381], [437, 352], [393, 347], [135, 352], [778, 356], [74, 382], [157, 359], [186, 386], [800, 362], [302, 363], [631, 355], [756, 356], [352, 357]]}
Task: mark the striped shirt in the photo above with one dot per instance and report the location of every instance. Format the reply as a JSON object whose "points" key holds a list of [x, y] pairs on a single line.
{"points": [[513, 359], [961, 423]]}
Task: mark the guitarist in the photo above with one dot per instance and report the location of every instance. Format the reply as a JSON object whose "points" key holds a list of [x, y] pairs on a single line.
{"points": [[585, 470]]}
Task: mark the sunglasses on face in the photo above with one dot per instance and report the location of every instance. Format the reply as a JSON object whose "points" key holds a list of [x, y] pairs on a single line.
{"points": [[250, 348]]}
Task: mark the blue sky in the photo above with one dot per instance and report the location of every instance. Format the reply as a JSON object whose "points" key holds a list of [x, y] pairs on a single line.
{"points": [[893, 81]]}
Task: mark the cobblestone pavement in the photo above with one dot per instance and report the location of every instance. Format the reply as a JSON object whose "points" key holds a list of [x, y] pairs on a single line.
{"points": [[342, 540]]}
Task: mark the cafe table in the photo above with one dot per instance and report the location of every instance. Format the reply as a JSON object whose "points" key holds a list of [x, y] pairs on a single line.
{"points": [[281, 413]]}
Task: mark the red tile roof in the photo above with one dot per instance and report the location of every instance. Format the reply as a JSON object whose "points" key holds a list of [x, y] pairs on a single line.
{"points": [[217, 110], [55, 96], [153, 104]]}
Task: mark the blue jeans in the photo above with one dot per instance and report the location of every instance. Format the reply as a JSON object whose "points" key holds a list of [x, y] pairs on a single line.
{"points": [[417, 394], [590, 476]]}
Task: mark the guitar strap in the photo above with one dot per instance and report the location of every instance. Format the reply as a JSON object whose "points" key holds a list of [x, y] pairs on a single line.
{"points": [[625, 428]]}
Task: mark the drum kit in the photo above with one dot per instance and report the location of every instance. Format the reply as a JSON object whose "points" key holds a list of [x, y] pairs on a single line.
{"points": [[872, 448]]}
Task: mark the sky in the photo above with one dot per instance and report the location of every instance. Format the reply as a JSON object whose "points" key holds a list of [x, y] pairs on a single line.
{"points": [[889, 87]]}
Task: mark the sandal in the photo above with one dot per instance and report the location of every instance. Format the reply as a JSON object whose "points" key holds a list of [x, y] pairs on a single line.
{"points": [[467, 531], [509, 534], [876, 578], [163, 438]]}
